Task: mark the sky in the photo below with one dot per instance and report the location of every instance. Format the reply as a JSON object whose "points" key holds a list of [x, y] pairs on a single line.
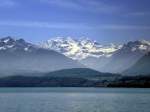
{"points": [[107, 21]]}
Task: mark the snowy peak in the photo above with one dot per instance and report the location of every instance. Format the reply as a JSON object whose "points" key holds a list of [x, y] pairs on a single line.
{"points": [[137, 46], [7, 40], [79, 49], [23, 57], [11, 44]]}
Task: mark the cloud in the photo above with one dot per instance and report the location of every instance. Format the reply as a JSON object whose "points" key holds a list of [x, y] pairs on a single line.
{"points": [[38, 24], [7, 3], [84, 5]]}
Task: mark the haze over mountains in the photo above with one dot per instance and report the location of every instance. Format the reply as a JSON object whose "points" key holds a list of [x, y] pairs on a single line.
{"points": [[18, 56], [142, 66], [88, 52], [128, 55], [105, 58]]}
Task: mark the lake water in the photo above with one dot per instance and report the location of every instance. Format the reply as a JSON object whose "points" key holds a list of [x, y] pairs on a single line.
{"points": [[74, 100]]}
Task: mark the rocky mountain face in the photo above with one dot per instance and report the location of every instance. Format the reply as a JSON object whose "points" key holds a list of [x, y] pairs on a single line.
{"points": [[17, 56]]}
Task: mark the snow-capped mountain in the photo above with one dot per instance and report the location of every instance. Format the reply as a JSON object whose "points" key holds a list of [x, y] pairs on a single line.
{"points": [[79, 49], [18, 56], [11, 44], [104, 58], [134, 46], [127, 56], [22, 55]]}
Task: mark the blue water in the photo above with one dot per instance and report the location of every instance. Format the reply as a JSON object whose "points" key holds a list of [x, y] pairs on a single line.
{"points": [[74, 100]]}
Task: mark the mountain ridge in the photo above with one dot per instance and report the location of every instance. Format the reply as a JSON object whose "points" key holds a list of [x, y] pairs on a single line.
{"points": [[87, 53], [19, 55], [128, 55], [97, 56], [79, 49], [141, 67]]}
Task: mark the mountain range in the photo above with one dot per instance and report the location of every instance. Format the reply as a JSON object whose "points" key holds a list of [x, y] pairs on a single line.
{"points": [[104, 58], [20, 57], [87, 52], [79, 49], [127, 56]]}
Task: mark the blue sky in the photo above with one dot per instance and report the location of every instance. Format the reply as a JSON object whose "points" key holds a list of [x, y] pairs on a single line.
{"points": [[107, 21]]}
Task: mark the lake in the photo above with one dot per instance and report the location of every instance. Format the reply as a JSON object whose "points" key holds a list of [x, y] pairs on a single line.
{"points": [[74, 100]]}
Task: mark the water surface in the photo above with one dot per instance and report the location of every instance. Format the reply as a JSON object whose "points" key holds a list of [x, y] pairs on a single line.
{"points": [[74, 100]]}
